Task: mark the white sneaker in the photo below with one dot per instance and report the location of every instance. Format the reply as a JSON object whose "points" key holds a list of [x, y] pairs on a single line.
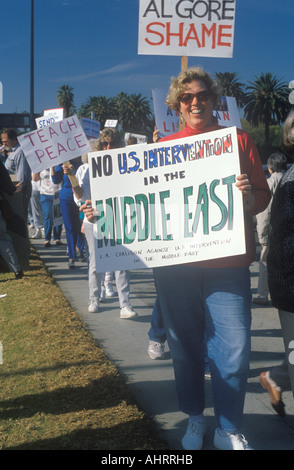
{"points": [[109, 289], [193, 439], [93, 306], [128, 312], [102, 294], [37, 234], [225, 441], [155, 350]]}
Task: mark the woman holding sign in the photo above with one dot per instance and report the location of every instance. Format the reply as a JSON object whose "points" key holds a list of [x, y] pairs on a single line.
{"points": [[212, 295]]}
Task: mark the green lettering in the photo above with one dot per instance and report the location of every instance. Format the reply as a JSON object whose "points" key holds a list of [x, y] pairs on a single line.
{"points": [[143, 230], [187, 215], [202, 206]]}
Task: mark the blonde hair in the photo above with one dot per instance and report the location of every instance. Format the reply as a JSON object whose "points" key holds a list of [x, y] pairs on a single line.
{"points": [[288, 135], [178, 86], [110, 134]]}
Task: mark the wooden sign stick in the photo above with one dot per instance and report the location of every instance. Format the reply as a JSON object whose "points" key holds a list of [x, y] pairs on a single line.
{"points": [[184, 66]]}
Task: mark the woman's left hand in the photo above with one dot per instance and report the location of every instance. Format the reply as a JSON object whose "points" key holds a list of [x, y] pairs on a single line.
{"points": [[243, 184]]}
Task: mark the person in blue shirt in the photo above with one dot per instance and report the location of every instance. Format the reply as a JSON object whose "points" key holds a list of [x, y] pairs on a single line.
{"points": [[70, 212]]}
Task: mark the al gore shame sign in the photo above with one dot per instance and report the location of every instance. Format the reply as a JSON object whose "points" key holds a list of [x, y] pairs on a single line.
{"points": [[203, 28]]}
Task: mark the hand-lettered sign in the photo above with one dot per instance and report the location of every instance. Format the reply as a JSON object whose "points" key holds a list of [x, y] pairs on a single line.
{"points": [[55, 144], [167, 203], [187, 27]]}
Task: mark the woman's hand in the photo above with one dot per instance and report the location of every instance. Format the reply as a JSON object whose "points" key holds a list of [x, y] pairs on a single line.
{"points": [[68, 170], [243, 184], [88, 211]]}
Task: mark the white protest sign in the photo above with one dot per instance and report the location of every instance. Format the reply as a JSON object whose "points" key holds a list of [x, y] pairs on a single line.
{"points": [[55, 144], [227, 113], [141, 139], [167, 203], [50, 117], [91, 128], [167, 120], [58, 113], [187, 27]]}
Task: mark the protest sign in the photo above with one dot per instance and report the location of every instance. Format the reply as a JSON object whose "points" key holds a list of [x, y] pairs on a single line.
{"points": [[187, 27], [55, 144], [50, 117], [91, 128], [141, 139], [167, 203], [167, 120]]}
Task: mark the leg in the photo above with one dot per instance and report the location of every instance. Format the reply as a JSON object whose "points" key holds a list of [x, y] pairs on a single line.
{"points": [[287, 323], [179, 290], [94, 277], [228, 321]]}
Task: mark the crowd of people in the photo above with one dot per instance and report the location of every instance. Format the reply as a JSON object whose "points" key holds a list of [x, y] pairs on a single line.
{"points": [[202, 309]]}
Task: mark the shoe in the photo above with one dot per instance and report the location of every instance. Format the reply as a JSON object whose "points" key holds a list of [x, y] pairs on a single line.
{"points": [[102, 294], [37, 234], [261, 301], [58, 242], [71, 264], [226, 441], [47, 244], [193, 439], [274, 394], [127, 312], [155, 350], [93, 306], [19, 275], [109, 290]]}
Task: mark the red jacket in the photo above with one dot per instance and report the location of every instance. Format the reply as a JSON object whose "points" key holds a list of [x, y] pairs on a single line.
{"points": [[251, 165]]}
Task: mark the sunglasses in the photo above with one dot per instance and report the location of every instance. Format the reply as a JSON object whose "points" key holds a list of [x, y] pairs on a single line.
{"points": [[188, 97]]}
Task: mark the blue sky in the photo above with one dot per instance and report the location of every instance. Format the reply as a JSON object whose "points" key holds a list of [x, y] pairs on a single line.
{"points": [[92, 45]]}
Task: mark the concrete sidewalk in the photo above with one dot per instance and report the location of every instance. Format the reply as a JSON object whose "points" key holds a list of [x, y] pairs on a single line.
{"points": [[152, 382]]}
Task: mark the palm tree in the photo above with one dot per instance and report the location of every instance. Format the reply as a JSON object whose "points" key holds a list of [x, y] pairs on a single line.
{"points": [[231, 86], [103, 108], [65, 99], [135, 113], [266, 102]]}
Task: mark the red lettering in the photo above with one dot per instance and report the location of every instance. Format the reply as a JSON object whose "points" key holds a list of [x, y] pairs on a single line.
{"points": [[49, 152], [226, 116], [67, 143], [41, 136], [60, 127], [192, 34], [52, 132], [31, 140], [78, 141], [179, 34], [210, 31], [60, 148], [72, 124], [149, 30], [221, 34], [227, 143], [164, 127], [40, 154]]}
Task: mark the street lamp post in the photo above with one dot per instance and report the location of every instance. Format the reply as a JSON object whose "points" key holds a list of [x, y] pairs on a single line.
{"points": [[32, 124]]}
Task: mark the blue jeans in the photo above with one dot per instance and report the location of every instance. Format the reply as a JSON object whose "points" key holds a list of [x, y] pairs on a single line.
{"points": [[72, 224], [209, 306], [48, 219], [157, 330]]}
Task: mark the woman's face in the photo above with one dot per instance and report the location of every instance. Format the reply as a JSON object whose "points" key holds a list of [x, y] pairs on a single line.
{"points": [[197, 109]]}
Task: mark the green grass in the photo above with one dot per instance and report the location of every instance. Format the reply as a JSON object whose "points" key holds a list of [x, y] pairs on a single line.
{"points": [[59, 391]]}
